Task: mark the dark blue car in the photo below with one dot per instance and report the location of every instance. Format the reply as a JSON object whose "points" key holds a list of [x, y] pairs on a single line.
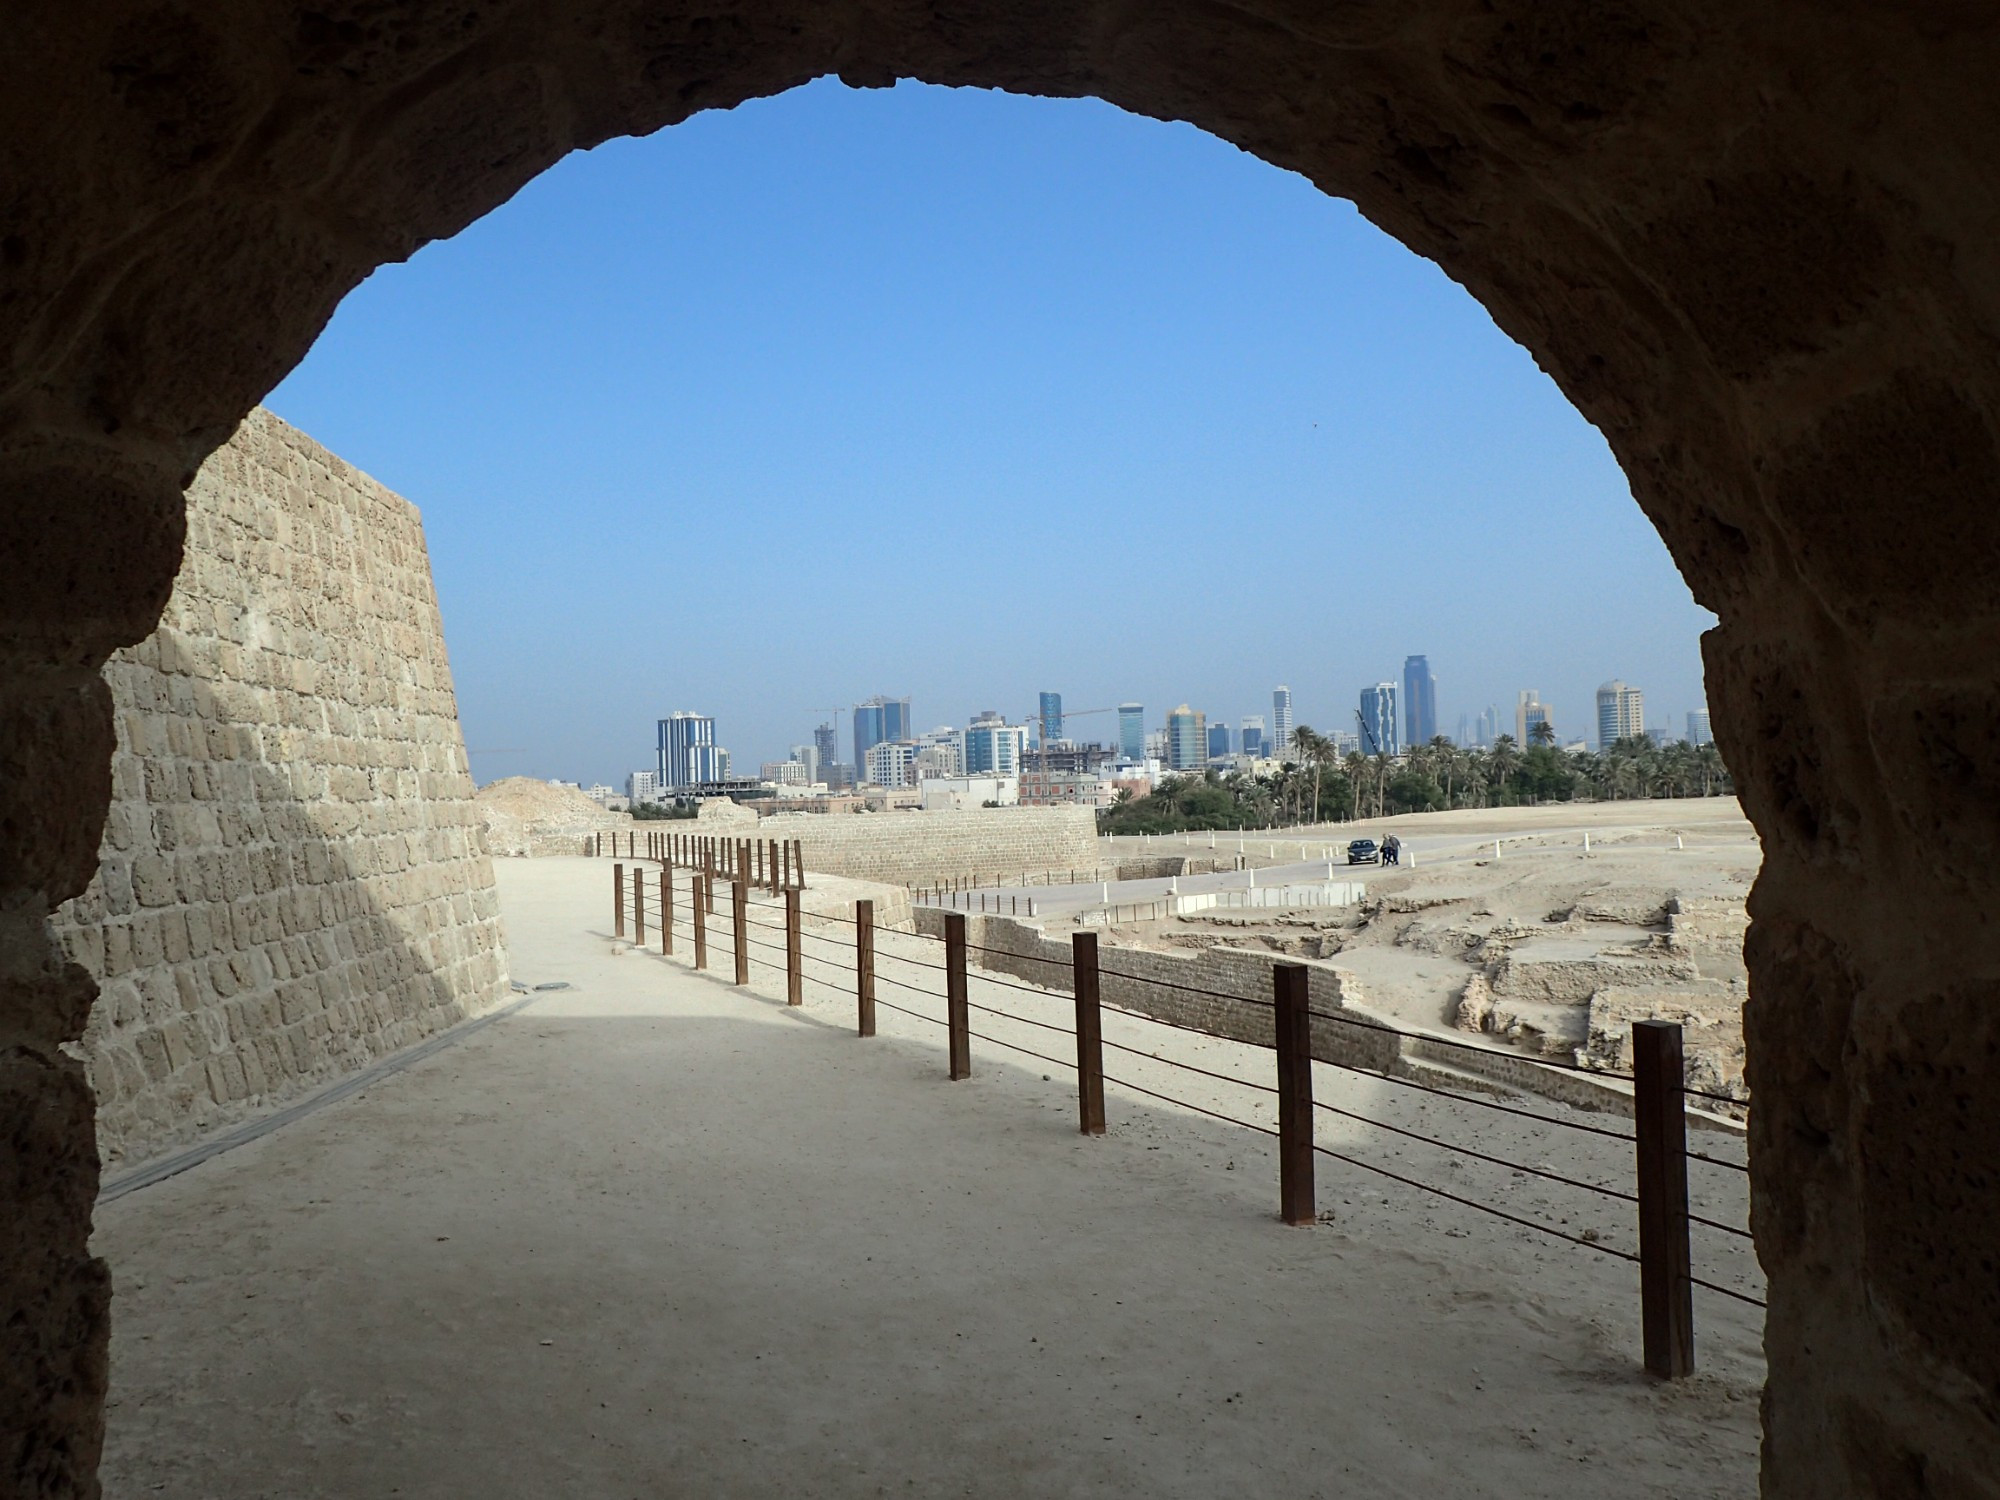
{"points": [[1363, 852]]}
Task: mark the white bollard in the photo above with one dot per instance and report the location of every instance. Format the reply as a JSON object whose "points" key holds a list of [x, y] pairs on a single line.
{"points": [[1496, 848], [1586, 841], [1253, 880], [1677, 842], [1031, 906], [1173, 885], [1106, 896]]}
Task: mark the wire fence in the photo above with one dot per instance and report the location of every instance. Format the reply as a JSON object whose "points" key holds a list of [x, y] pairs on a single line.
{"points": [[694, 909]]}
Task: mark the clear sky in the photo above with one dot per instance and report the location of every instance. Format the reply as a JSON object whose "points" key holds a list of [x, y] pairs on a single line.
{"points": [[961, 396]]}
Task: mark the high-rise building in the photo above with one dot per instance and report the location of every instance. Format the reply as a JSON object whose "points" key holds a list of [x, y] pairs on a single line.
{"points": [[1698, 730], [1420, 705], [1281, 721], [808, 756], [1621, 713], [1252, 735], [1049, 720], [993, 747], [1218, 741], [686, 750], [642, 787], [1487, 729], [1528, 709], [783, 773], [877, 720], [1378, 720], [1132, 731], [1187, 739], [891, 762], [827, 742]]}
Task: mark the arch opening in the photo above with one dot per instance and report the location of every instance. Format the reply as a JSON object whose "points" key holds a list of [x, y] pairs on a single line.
{"points": [[1768, 283]]}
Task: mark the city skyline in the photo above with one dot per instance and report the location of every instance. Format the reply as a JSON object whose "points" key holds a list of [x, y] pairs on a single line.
{"points": [[907, 334]]}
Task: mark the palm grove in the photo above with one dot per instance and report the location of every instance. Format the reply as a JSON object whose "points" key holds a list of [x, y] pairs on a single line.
{"points": [[1318, 783]]}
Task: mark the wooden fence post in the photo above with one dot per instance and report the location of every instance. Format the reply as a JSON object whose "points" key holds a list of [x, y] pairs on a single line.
{"points": [[702, 897], [1295, 1094], [1089, 1034], [739, 912], [618, 900], [799, 862], [757, 862], [1659, 1115], [795, 979], [708, 891], [864, 966], [667, 910], [638, 906], [958, 1014], [771, 870], [785, 857]]}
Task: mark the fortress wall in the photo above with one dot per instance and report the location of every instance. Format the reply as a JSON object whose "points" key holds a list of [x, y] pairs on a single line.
{"points": [[294, 878], [920, 847]]}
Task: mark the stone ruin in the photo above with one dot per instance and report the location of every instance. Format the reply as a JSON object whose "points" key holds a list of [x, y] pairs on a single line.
{"points": [[1755, 245], [293, 879]]}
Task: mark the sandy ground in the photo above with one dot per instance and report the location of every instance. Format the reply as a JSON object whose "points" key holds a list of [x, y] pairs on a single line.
{"points": [[655, 1235]]}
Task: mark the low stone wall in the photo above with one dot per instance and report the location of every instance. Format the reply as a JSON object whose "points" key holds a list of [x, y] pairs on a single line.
{"points": [[293, 877], [925, 847], [1223, 991]]}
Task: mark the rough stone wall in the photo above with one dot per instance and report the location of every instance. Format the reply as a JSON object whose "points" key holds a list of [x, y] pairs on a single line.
{"points": [[293, 879], [927, 846], [1224, 991]]}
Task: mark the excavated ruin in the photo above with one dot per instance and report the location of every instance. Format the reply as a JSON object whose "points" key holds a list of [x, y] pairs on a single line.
{"points": [[1756, 245]]}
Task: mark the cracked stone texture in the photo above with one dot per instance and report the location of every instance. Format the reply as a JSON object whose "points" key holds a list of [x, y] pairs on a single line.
{"points": [[1758, 246]]}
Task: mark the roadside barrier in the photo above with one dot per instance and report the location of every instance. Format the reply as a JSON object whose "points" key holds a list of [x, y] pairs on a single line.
{"points": [[938, 993]]}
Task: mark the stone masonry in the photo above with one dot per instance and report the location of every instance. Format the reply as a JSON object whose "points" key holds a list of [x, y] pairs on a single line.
{"points": [[920, 847], [294, 877]]}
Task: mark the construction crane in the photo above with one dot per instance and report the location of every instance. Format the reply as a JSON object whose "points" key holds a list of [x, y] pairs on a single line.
{"points": [[1368, 737]]}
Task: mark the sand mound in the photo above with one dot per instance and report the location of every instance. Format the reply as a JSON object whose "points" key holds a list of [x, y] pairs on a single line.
{"points": [[526, 816]]}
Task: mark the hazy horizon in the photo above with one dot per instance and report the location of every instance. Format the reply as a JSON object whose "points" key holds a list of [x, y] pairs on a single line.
{"points": [[963, 396]]}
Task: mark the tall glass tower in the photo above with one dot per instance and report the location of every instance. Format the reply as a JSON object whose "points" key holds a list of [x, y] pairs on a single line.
{"points": [[1420, 707], [1281, 721], [1051, 718], [687, 750], [877, 720], [1378, 720], [1132, 731]]}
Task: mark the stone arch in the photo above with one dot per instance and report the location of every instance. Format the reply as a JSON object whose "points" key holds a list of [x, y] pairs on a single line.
{"points": [[1755, 245]]}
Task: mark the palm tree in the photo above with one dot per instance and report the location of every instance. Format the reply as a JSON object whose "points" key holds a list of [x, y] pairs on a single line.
{"points": [[1315, 749], [1542, 733], [1505, 757], [1444, 757]]}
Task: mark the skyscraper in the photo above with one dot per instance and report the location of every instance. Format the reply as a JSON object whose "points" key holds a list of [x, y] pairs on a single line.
{"points": [[1528, 709], [1218, 741], [993, 747], [1698, 730], [1187, 739], [827, 743], [1621, 713], [877, 720], [1132, 731], [1420, 709], [808, 756], [686, 750], [1050, 717], [1252, 735], [1281, 721], [1378, 720]]}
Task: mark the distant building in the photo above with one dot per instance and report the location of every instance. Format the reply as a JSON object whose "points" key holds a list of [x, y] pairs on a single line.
{"points": [[826, 745], [1058, 789], [1049, 720], [1378, 720], [1132, 731], [687, 751], [1420, 708], [891, 763], [952, 793], [1252, 736], [838, 775], [1528, 710], [1156, 745], [1621, 713], [808, 756], [1487, 727], [642, 788], [1068, 756], [1281, 722], [785, 773], [993, 747], [1698, 730], [877, 720], [1187, 739], [1218, 741]]}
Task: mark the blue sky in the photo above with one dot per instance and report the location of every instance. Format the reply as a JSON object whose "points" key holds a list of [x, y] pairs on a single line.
{"points": [[962, 396]]}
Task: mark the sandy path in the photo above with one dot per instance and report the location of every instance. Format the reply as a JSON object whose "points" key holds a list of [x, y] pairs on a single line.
{"points": [[656, 1235]]}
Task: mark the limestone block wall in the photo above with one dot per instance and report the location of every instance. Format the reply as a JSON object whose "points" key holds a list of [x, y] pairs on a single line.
{"points": [[1224, 991], [920, 847], [294, 879]]}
